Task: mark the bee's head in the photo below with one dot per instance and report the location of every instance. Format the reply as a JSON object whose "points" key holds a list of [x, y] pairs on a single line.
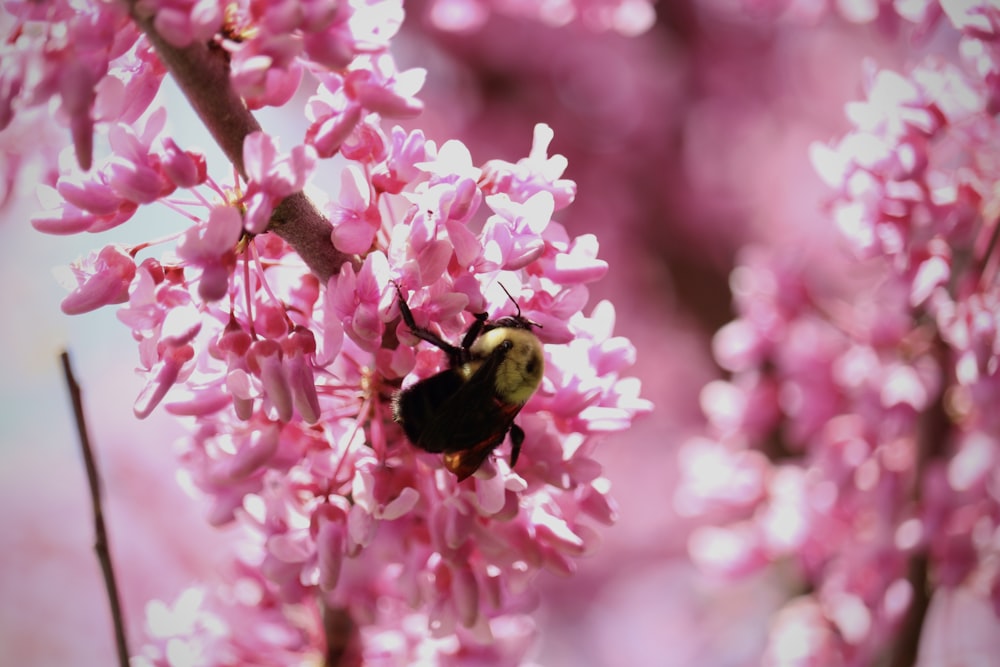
{"points": [[520, 361], [511, 322]]}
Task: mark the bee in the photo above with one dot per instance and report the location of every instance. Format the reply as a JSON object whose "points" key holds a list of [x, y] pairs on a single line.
{"points": [[466, 410]]}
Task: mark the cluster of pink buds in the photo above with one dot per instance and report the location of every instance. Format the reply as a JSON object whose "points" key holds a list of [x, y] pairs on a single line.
{"points": [[271, 326], [857, 436]]}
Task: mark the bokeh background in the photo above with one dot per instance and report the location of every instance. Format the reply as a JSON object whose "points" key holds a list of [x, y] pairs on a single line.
{"points": [[689, 145]]}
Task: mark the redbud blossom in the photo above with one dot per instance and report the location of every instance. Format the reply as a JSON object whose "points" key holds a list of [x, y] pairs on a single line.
{"points": [[103, 280], [286, 376], [857, 431]]}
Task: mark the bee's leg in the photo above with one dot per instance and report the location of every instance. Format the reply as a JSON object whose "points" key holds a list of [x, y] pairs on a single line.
{"points": [[474, 330], [516, 438], [404, 310], [454, 353]]}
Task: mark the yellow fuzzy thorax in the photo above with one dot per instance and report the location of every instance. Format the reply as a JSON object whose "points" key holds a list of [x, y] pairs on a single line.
{"points": [[521, 370]]}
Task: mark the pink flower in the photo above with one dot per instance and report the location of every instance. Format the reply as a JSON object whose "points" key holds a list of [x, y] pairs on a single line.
{"points": [[802, 637], [102, 281], [264, 69], [538, 172], [357, 299], [383, 90], [837, 441], [354, 220], [185, 169], [212, 249], [512, 237], [333, 117], [271, 177], [287, 379], [405, 506], [162, 376], [182, 22], [93, 197], [628, 17], [353, 29], [405, 153]]}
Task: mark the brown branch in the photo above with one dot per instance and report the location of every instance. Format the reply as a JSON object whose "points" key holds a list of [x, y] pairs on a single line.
{"points": [[904, 651], [100, 532], [342, 640], [202, 73], [934, 430]]}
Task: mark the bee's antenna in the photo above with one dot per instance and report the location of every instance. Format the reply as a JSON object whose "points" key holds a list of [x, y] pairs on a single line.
{"points": [[516, 304]]}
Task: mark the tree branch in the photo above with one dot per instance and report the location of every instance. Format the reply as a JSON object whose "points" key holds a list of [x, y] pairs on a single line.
{"points": [[100, 533], [202, 74], [934, 432], [341, 637], [904, 652]]}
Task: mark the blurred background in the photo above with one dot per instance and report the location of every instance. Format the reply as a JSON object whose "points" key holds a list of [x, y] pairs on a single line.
{"points": [[689, 145]]}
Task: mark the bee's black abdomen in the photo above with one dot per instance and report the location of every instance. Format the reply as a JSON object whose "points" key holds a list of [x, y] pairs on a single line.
{"points": [[416, 406]]}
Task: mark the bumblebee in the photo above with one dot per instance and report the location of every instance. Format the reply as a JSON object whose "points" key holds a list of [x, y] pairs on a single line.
{"points": [[466, 410]]}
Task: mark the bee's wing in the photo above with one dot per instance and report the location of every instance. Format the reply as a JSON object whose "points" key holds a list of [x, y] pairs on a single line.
{"points": [[475, 436], [467, 461]]}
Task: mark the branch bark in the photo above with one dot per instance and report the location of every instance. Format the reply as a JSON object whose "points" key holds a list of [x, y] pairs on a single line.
{"points": [[341, 632], [202, 74], [934, 433]]}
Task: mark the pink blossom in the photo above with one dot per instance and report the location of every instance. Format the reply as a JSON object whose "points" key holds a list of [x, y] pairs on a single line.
{"points": [[185, 169], [571, 261], [264, 69], [533, 174], [628, 17], [333, 116], [398, 493], [512, 236], [105, 281], [719, 477], [840, 413], [357, 299], [182, 22], [233, 346], [299, 348], [97, 198], [354, 220], [271, 177], [407, 150], [212, 249], [355, 28], [802, 637], [162, 376], [130, 178], [286, 379], [72, 67], [131, 87], [384, 91]]}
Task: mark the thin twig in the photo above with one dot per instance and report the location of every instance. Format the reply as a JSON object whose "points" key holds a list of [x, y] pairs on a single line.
{"points": [[100, 532]]}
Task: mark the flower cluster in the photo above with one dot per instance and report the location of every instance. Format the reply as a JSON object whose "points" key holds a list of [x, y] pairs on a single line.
{"points": [[857, 436], [627, 17], [285, 368]]}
